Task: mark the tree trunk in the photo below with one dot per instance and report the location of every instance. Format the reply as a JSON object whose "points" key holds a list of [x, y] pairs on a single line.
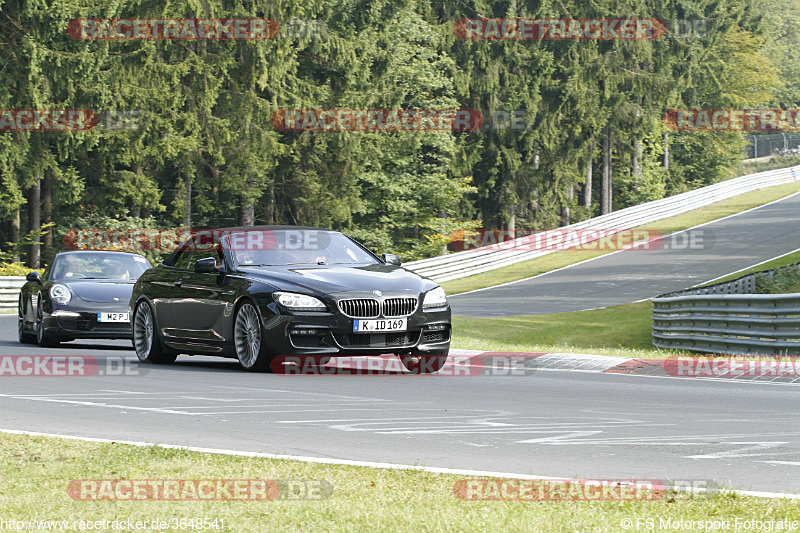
{"points": [[269, 207], [570, 194], [187, 200], [47, 209], [136, 210], [15, 234], [248, 207], [606, 185], [666, 151], [636, 167], [587, 188], [35, 220]]}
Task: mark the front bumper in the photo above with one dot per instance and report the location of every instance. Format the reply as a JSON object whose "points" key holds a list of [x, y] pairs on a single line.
{"points": [[332, 334], [82, 323]]}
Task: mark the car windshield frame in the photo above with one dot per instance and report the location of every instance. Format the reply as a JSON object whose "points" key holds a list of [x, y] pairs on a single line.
{"points": [[97, 265], [316, 247]]}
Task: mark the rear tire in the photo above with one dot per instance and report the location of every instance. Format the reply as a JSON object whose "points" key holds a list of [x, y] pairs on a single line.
{"points": [[248, 340], [145, 338], [24, 336], [425, 362]]}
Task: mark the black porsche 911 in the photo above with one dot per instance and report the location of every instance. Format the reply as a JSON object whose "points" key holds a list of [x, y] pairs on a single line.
{"points": [[259, 292], [83, 294]]}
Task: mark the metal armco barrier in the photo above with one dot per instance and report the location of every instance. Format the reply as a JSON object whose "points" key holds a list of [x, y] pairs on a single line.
{"points": [[9, 291], [727, 318], [471, 262]]}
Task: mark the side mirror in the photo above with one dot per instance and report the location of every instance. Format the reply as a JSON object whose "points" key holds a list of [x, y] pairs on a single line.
{"points": [[208, 265], [34, 276], [391, 259]]}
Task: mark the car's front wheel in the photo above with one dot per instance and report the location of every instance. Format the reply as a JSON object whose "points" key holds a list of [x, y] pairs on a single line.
{"points": [[24, 336], [145, 337], [425, 362], [42, 337], [249, 341]]}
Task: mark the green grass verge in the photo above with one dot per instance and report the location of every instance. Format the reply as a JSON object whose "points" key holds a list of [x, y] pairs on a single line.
{"points": [[666, 226], [622, 330], [37, 470], [794, 257]]}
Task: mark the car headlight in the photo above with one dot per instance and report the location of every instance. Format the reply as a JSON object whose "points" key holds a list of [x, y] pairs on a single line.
{"points": [[298, 302], [60, 294], [435, 299]]}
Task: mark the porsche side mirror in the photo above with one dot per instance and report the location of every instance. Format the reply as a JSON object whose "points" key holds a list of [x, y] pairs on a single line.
{"points": [[208, 265], [391, 259], [34, 276]]}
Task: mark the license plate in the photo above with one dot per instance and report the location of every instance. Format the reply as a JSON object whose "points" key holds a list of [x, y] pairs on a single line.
{"points": [[112, 317], [382, 324]]}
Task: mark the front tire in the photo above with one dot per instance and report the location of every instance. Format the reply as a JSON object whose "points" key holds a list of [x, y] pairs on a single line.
{"points": [[42, 337], [425, 362], [249, 340], [145, 337], [24, 336]]}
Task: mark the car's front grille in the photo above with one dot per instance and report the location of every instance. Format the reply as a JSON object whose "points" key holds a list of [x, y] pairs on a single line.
{"points": [[370, 308], [399, 306], [360, 308]]}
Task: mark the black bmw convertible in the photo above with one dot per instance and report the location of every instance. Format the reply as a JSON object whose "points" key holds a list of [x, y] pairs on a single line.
{"points": [[259, 292], [83, 294]]}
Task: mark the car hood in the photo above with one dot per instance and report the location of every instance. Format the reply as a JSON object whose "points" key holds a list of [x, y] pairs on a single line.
{"points": [[105, 291], [354, 281]]}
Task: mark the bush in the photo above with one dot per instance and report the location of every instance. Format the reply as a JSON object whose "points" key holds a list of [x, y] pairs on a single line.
{"points": [[16, 269]]}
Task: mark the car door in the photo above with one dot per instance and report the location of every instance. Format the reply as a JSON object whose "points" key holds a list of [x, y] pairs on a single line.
{"points": [[200, 302]]}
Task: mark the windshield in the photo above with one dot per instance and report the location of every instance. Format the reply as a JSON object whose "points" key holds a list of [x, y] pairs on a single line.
{"points": [[97, 265], [294, 247]]}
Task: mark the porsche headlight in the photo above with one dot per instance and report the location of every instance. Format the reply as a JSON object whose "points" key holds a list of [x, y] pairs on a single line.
{"points": [[60, 294], [298, 302], [434, 299]]}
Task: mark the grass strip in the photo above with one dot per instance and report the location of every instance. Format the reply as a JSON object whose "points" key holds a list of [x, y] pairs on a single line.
{"points": [[37, 470]]}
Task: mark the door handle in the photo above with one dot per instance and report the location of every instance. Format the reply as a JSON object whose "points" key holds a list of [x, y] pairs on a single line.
{"points": [[178, 283]]}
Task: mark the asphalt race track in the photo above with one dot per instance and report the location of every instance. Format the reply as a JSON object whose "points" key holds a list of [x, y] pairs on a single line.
{"points": [[552, 423], [743, 435], [686, 259]]}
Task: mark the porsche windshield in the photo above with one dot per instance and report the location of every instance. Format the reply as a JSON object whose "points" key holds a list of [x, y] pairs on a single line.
{"points": [[294, 247], [97, 265]]}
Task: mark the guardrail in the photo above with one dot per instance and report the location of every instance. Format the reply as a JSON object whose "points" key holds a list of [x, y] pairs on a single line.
{"points": [[470, 262], [727, 318], [9, 291]]}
